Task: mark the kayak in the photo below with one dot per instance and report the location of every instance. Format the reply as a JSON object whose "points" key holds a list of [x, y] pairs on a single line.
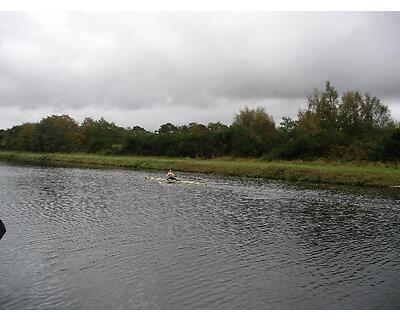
{"points": [[162, 180], [2, 229]]}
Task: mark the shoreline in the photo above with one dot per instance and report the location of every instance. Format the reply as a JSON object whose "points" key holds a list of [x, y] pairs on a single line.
{"points": [[364, 174]]}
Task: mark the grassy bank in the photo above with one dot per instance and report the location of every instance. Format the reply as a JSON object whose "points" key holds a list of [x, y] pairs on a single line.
{"points": [[366, 174]]}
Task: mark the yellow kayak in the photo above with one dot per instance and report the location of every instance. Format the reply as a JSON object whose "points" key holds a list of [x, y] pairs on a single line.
{"points": [[173, 181]]}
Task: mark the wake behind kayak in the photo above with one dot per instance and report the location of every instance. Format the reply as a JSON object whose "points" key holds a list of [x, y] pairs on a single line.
{"points": [[172, 181]]}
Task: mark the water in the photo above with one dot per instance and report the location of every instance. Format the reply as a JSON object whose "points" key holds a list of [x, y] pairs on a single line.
{"points": [[109, 239]]}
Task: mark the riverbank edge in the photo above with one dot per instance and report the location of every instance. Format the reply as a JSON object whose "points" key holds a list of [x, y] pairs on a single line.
{"points": [[373, 175]]}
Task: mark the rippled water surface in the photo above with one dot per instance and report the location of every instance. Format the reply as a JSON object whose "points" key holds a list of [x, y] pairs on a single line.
{"points": [[110, 239]]}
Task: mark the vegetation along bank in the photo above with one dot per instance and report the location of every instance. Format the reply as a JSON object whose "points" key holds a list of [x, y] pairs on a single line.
{"points": [[351, 128], [365, 174]]}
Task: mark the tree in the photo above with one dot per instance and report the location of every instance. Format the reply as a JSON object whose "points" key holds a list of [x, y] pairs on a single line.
{"points": [[287, 128], [254, 132], [100, 135], [167, 128], [24, 137], [137, 129], [375, 115], [355, 126], [2, 139], [349, 114], [391, 146], [56, 133], [308, 121], [323, 107], [216, 126]]}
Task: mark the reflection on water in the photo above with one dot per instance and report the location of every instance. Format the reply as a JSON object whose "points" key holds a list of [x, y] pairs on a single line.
{"points": [[109, 239]]}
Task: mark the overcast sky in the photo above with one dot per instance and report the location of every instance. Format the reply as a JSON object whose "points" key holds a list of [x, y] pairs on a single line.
{"points": [[151, 68]]}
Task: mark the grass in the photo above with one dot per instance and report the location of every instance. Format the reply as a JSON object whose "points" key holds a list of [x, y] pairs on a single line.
{"points": [[360, 174]]}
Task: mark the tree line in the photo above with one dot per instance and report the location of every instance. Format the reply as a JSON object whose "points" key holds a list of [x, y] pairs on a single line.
{"points": [[350, 127]]}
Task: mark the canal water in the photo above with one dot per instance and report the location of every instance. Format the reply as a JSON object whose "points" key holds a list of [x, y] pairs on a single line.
{"points": [[111, 239]]}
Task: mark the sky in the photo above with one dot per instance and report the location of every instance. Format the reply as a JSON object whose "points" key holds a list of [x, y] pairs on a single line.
{"points": [[149, 68]]}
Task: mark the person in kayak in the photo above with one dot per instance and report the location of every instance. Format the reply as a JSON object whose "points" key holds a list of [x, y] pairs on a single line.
{"points": [[171, 175]]}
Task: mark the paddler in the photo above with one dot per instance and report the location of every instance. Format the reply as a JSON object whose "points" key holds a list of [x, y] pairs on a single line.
{"points": [[170, 175]]}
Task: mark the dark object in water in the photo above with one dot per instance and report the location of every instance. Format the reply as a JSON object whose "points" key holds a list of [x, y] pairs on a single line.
{"points": [[2, 229]]}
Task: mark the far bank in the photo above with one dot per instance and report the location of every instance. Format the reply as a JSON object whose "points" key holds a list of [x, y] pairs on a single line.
{"points": [[364, 174]]}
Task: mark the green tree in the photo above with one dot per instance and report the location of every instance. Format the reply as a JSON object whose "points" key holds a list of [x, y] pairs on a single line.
{"points": [[324, 107], [24, 137], [56, 133], [137, 129], [168, 128], [349, 114], [254, 132], [287, 128], [2, 139], [101, 135], [391, 146], [375, 116]]}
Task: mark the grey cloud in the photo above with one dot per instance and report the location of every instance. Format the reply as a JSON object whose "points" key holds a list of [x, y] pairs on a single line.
{"points": [[199, 62]]}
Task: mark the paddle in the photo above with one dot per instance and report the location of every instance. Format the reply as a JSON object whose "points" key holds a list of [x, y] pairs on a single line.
{"points": [[2, 229]]}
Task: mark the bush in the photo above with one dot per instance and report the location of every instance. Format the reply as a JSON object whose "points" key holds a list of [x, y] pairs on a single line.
{"points": [[115, 149], [391, 146], [310, 146]]}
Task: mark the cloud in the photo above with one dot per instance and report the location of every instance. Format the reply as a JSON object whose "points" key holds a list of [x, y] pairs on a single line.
{"points": [[149, 66]]}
